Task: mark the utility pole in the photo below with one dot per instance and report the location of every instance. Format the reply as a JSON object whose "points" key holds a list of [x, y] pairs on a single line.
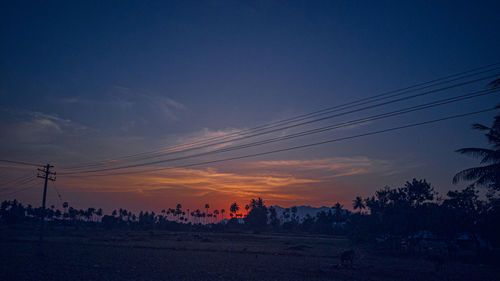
{"points": [[45, 174]]}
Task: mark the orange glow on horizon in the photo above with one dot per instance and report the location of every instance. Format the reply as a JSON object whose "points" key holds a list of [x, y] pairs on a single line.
{"points": [[285, 183]]}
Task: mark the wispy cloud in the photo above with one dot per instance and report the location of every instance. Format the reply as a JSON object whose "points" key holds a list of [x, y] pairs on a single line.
{"points": [[128, 107], [220, 138], [141, 98], [324, 168], [280, 182], [37, 127]]}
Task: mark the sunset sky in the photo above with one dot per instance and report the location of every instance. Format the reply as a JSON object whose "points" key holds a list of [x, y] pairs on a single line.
{"points": [[85, 81]]}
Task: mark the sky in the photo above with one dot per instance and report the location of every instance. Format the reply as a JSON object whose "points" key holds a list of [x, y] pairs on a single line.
{"points": [[85, 81]]}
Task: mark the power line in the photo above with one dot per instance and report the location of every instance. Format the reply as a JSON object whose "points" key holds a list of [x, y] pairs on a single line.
{"points": [[208, 144], [332, 127], [308, 115], [20, 190], [19, 183], [14, 181], [295, 125], [17, 191], [311, 144], [310, 121], [20, 163], [308, 132]]}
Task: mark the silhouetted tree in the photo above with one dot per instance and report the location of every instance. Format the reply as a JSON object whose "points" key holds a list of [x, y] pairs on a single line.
{"points": [[286, 214], [294, 214], [462, 210], [358, 204], [207, 206], [216, 213], [418, 192], [178, 211], [234, 208], [338, 212], [489, 174], [257, 217], [198, 215], [273, 217], [90, 214], [99, 213]]}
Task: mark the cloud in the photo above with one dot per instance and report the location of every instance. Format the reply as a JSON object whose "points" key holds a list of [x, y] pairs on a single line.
{"points": [[204, 137], [36, 127], [192, 186], [140, 98], [136, 103], [37, 136], [209, 179], [283, 182], [329, 167]]}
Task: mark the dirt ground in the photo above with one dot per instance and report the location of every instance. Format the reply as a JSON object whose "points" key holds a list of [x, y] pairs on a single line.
{"points": [[141, 255]]}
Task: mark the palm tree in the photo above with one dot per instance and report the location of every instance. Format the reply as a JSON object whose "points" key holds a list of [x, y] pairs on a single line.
{"points": [[99, 213], [65, 206], [286, 214], [81, 214], [72, 213], [58, 213], [294, 213], [338, 212], [120, 214], [198, 214], [487, 175], [178, 210], [222, 211], [90, 214], [29, 210], [169, 212], [234, 208], [124, 214], [206, 208], [216, 213], [358, 204]]}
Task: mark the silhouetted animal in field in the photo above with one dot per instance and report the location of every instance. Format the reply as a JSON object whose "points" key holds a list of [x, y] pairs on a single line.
{"points": [[347, 258]]}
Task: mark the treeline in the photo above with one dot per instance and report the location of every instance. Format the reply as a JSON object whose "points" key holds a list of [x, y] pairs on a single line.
{"points": [[401, 211], [14, 212], [416, 206]]}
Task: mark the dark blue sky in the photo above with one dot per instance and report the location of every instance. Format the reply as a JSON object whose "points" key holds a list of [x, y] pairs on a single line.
{"points": [[88, 79]]}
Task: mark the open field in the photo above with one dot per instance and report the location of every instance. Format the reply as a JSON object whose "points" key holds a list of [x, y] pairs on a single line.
{"points": [[137, 255]]}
